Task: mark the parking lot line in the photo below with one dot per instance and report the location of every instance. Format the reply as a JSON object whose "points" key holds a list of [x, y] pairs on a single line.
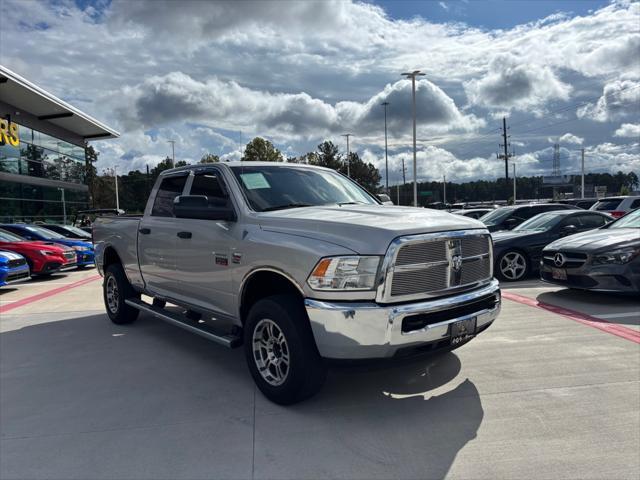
{"points": [[48, 293], [595, 322]]}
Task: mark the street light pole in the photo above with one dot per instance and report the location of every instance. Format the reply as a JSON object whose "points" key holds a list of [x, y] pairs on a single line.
{"points": [[582, 180], [173, 152], [348, 154], [412, 76], [444, 187], [514, 183], [386, 156], [115, 175]]}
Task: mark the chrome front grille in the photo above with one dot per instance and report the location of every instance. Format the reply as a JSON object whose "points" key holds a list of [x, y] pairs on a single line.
{"points": [[431, 265], [70, 255]]}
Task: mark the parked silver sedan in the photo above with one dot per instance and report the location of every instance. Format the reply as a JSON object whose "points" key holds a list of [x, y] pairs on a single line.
{"points": [[606, 259]]}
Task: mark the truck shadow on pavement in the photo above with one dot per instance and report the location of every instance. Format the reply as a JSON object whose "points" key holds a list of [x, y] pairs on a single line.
{"points": [[73, 388]]}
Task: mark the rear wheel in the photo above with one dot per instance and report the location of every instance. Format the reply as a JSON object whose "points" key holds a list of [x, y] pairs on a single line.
{"points": [[512, 265], [280, 350], [116, 289]]}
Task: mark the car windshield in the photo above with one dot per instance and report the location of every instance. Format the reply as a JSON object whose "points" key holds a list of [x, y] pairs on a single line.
{"points": [[279, 187], [44, 232], [9, 237], [77, 231], [630, 220], [540, 223], [496, 216]]}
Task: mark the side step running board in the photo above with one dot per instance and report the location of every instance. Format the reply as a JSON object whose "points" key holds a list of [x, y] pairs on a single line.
{"points": [[227, 340]]}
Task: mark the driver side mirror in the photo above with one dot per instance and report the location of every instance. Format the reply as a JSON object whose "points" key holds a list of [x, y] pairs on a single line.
{"points": [[202, 207]]}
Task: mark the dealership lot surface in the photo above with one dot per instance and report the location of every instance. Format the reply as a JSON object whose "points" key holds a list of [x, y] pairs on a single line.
{"points": [[539, 395]]}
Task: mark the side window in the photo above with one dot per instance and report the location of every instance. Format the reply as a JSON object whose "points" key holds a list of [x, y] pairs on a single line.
{"points": [[635, 204], [591, 221], [528, 212], [575, 221], [208, 184], [169, 189]]}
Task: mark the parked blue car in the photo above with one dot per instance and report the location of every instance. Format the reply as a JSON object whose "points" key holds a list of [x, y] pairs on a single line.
{"points": [[84, 250], [13, 268]]}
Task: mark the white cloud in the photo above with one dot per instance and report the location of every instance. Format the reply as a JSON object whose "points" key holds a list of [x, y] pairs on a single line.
{"points": [[628, 130], [619, 99], [512, 82], [571, 138]]}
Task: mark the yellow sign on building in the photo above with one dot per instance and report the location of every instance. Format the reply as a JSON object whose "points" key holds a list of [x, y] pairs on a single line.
{"points": [[9, 133]]}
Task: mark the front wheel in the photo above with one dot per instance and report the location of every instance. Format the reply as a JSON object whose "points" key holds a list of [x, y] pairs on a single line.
{"points": [[512, 266], [116, 289], [280, 350]]}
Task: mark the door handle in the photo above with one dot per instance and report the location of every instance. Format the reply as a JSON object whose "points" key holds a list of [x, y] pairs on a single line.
{"points": [[145, 231], [184, 234]]}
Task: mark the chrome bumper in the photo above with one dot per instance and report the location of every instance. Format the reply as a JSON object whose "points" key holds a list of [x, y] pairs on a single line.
{"points": [[370, 330]]}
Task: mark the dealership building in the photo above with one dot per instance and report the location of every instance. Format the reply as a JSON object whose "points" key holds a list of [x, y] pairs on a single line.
{"points": [[43, 158]]}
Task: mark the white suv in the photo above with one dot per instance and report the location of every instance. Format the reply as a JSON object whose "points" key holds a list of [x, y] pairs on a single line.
{"points": [[616, 206]]}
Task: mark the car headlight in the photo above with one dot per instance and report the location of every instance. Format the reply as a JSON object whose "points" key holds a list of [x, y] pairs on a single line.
{"points": [[47, 252], [616, 257], [79, 248], [344, 273]]}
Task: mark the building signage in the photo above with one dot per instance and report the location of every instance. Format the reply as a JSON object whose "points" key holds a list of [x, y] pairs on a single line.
{"points": [[9, 133]]}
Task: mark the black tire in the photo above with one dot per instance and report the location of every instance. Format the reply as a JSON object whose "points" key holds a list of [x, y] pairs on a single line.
{"points": [[306, 371], [119, 289], [518, 273]]}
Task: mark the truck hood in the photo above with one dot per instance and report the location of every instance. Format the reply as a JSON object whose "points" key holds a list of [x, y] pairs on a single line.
{"points": [[595, 240], [365, 229]]}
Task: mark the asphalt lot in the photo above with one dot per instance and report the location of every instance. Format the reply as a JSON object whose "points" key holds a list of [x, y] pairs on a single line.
{"points": [[546, 392]]}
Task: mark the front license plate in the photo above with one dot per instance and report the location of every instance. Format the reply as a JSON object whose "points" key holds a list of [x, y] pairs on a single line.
{"points": [[463, 330], [558, 274]]}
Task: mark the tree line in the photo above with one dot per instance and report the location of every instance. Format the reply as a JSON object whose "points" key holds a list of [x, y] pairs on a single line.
{"points": [[135, 186]]}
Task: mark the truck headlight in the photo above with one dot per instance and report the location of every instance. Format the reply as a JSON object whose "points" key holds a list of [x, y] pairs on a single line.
{"points": [[344, 273], [616, 257]]}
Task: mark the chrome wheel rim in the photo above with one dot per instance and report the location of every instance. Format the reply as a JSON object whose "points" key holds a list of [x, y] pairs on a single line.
{"points": [[271, 352], [513, 265], [113, 296]]}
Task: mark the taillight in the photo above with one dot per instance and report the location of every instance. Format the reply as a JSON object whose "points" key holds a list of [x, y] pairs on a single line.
{"points": [[617, 214]]}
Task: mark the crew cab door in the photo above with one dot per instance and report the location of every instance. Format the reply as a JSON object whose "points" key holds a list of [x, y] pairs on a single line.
{"points": [[204, 249], [157, 236]]}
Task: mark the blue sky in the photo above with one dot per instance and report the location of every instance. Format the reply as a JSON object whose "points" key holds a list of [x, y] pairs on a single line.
{"points": [[208, 74]]}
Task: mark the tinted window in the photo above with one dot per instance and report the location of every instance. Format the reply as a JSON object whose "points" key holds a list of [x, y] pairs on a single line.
{"points": [[496, 216], [574, 220], [169, 189], [9, 237], [592, 221], [635, 204], [207, 184], [607, 204]]}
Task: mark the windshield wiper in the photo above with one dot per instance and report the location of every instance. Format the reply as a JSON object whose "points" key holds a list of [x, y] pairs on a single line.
{"points": [[288, 205], [350, 203]]}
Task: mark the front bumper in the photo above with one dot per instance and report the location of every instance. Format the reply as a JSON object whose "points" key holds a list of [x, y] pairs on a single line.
{"points": [[600, 278], [14, 275], [85, 258], [367, 330]]}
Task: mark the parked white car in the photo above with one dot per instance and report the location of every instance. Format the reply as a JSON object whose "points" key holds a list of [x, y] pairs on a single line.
{"points": [[617, 206]]}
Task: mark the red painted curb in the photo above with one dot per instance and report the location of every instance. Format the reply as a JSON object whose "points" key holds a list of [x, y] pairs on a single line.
{"points": [[583, 318], [48, 293]]}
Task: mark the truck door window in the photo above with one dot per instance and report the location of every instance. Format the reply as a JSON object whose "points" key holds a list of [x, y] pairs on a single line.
{"points": [[208, 184], [169, 189]]}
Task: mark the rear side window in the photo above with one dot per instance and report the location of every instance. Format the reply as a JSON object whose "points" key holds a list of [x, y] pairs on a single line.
{"points": [[635, 204], [607, 204], [169, 189], [592, 221]]}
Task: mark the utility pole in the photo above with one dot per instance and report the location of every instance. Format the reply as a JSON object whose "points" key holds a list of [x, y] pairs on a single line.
{"points": [[444, 188], [115, 175], [412, 76], [582, 180], [386, 157], [146, 183], [506, 155], [348, 154], [173, 152], [404, 175]]}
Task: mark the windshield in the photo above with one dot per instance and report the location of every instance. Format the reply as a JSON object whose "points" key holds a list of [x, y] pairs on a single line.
{"points": [[9, 237], [496, 216], [279, 187], [77, 231], [630, 220], [44, 232], [540, 223]]}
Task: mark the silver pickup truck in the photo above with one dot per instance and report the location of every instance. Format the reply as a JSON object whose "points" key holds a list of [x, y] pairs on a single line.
{"points": [[299, 265]]}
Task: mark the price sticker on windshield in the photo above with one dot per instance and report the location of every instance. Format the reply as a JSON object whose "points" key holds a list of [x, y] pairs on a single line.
{"points": [[254, 181]]}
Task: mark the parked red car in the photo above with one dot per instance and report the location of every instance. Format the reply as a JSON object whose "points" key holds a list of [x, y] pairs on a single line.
{"points": [[44, 258]]}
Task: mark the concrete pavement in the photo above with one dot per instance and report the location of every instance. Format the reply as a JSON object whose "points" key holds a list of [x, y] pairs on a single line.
{"points": [[535, 396]]}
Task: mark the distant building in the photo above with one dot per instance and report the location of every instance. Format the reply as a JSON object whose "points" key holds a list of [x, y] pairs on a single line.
{"points": [[42, 152]]}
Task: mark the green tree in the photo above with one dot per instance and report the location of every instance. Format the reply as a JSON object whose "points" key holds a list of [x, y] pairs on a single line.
{"points": [[327, 156], [261, 150], [209, 158], [365, 174], [165, 164]]}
